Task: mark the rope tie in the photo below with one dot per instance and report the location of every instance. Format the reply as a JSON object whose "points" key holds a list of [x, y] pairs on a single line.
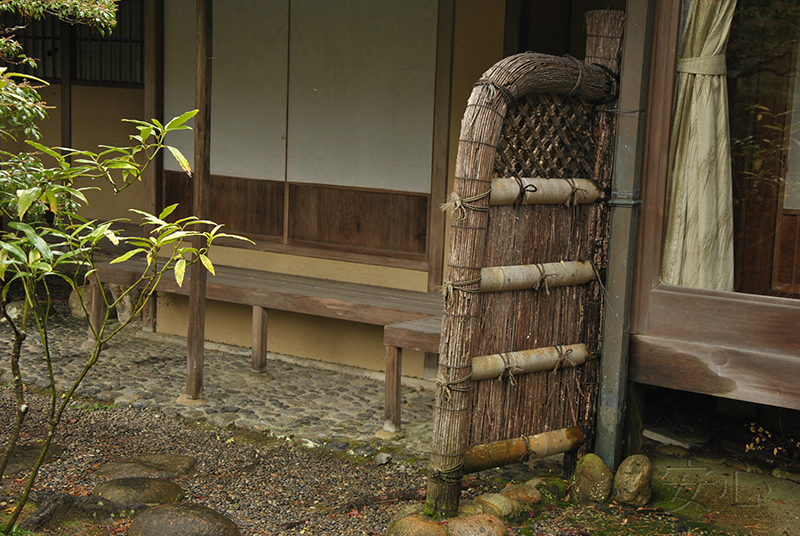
{"points": [[578, 89], [494, 89], [508, 369], [451, 475], [572, 199], [446, 387], [563, 355], [465, 286], [530, 450], [457, 206], [524, 189], [543, 277]]}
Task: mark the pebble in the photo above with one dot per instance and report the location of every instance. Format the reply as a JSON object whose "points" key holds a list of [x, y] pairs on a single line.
{"points": [[147, 370]]}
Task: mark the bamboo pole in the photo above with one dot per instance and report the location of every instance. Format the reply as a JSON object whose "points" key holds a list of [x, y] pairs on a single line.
{"points": [[542, 191], [499, 453], [548, 274], [485, 367]]}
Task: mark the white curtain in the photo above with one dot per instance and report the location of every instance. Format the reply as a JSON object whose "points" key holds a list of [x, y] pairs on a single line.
{"points": [[698, 242]]}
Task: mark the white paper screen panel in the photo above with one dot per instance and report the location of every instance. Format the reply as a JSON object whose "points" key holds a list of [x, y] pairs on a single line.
{"points": [[248, 97], [359, 81], [361, 86]]}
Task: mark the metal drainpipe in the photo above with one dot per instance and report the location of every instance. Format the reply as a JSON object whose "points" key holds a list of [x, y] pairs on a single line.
{"points": [[622, 230]]}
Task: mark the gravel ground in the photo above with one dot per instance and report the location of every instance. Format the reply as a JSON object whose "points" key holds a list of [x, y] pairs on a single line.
{"points": [[266, 486]]}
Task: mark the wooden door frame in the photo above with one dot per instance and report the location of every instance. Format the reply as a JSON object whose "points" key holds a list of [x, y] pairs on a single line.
{"points": [[739, 346]]}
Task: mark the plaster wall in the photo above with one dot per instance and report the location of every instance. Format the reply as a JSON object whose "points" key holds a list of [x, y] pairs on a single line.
{"points": [[97, 114]]}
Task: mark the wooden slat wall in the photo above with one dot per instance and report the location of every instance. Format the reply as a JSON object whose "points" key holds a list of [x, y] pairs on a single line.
{"points": [[370, 221], [350, 217], [247, 206]]}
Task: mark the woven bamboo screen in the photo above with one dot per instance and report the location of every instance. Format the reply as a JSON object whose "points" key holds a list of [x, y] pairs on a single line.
{"points": [[543, 135], [530, 115]]}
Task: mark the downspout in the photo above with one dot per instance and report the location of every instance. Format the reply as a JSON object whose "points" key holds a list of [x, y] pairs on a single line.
{"points": [[624, 204]]}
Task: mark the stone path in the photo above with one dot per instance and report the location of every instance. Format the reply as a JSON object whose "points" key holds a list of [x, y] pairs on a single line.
{"points": [[337, 405]]}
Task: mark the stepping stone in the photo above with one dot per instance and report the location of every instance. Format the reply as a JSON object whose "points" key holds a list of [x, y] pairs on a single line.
{"points": [[182, 519], [135, 491], [23, 457], [152, 466]]}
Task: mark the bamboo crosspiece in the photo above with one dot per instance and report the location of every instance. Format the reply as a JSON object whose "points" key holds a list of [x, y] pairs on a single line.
{"points": [[541, 191], [510, 364], [535, 276]]}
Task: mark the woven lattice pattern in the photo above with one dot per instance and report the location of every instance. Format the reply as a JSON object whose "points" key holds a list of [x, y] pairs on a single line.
{"points": [[546, 135]]}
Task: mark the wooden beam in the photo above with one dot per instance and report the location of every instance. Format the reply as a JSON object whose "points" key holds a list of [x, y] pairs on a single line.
{"points": [[66, 84], [441, 142], [729, 372], [202, 163], [153, 109]]}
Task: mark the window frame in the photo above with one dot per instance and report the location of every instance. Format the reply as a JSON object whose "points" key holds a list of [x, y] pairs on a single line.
{"points": [[740, 346]]}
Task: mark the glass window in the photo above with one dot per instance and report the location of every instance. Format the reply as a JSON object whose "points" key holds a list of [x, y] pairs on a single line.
{"points": [[732, 216], [764, 103], [115, 58]]}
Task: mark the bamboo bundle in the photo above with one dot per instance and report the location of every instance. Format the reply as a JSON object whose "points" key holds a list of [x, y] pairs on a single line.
{"points": [[527, 276], [492, 366], [463, 415], [506, 452], [543, 191]]}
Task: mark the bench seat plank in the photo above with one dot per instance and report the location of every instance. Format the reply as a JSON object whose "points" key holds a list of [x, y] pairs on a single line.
{"points": [[422, 334], [298, 294]]}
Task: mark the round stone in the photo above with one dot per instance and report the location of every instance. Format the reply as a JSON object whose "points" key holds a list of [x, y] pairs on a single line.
{"points": [[632, 481], [591, 482], [133, 491], [182, 519]]}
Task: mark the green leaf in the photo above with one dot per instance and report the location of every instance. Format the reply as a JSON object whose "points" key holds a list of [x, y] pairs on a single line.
{"points": [[180, 271], [176, 122], [181, 159], [37, 241], [167, 211], [207, 263], [15, 251], [45, 149], [127, 255], [26, 198]]}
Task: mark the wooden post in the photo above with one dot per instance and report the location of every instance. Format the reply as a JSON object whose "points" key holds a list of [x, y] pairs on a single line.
{"points": [[66, 84], [258, 351], [394, 364], [202, 161], [153, 109]]}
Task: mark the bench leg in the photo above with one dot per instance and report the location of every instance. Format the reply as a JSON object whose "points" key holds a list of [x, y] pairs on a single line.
{"points": [[431, 367], [258, 356], [394, 363], [149, 315], [96, 308]]}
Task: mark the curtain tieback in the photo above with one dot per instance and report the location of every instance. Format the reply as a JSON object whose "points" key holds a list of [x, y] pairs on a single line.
{"points": [[708, 65]]}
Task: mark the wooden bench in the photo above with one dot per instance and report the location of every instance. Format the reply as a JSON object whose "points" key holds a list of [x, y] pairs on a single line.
{"points": [[353, 302], [422, 334]]}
